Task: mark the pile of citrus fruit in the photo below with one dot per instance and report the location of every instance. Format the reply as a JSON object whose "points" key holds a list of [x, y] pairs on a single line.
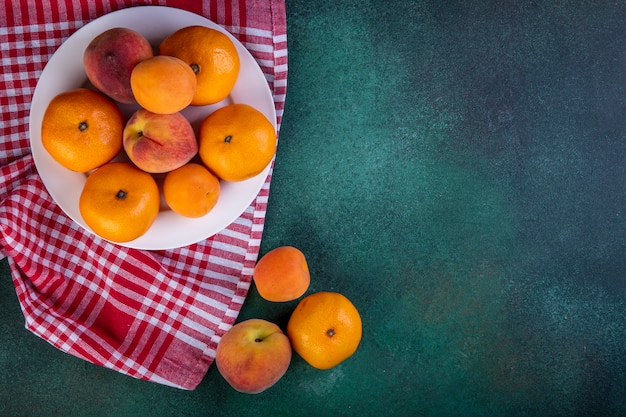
{"points": [[325, 328], [155, 154], [85, 131]]}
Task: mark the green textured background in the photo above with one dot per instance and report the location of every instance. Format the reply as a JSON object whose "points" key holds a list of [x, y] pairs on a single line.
{"points": [[457, 169]]}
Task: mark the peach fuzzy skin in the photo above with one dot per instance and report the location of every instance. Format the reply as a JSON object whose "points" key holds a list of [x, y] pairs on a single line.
{"points": [[163, 84], [253, 355], [282, 274], [159, 143], [110, 58]]}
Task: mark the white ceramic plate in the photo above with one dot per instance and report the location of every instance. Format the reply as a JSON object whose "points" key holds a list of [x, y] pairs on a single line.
{"points": [[65, 71]]}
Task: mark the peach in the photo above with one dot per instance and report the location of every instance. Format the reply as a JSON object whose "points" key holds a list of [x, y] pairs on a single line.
{"points": [[253, 355], [282, 274], [159, 143], [110, 58], [163, 84]]}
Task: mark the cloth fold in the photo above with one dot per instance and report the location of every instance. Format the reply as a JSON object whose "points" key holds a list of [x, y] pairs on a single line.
{"points": [[153, 315]]}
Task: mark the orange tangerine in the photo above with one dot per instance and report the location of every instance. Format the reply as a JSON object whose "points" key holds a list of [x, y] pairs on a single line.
{"points": [[191, 190], [236, 142], [325, 329], [82, 129], [212, 56], [119, 201]]}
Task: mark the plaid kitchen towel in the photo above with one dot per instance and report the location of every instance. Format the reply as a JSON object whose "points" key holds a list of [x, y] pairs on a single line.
{"points": [[153, 315]]}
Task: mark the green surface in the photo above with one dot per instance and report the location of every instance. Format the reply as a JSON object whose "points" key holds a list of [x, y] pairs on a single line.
{"points": [[457, 169]]}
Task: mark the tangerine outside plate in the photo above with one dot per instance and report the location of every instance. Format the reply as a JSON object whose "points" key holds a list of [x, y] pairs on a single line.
{"points": [[65, 71]]}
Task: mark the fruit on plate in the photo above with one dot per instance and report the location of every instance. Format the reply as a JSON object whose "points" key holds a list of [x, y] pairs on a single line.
{"points": [[253, 355], [191, 190], [325, 329], [282, 274], [119, 202], [82, 129], [110, 58], [236, 142], [163, 84], [212, 56], [159, 143]]}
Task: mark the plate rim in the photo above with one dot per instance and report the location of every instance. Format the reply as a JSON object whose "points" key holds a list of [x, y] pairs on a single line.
{"points": [[108, 21]]}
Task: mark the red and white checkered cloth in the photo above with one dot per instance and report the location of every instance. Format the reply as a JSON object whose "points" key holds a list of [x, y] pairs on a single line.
{"points": [[153, 315]]}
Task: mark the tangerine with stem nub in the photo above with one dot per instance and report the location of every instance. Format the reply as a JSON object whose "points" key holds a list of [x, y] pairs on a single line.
{"points": [[119, 201], [236, 142], [82, 129], [212, 56], [325, 329]]}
